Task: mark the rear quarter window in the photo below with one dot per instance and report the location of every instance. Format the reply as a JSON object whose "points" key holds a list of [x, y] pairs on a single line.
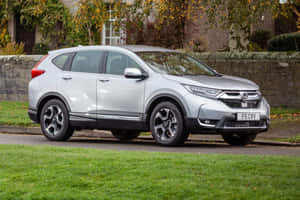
{"points": [[61, 60]]}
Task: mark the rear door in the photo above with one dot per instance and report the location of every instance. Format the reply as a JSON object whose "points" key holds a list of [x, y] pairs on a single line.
{"points": [[78, 83]]}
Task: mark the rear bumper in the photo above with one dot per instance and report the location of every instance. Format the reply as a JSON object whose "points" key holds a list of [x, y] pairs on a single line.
{"points": [[227, 124], [33, 115]]}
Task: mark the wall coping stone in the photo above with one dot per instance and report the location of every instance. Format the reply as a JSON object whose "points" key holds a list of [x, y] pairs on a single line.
{"points": [[266, 56], [6, 58]]}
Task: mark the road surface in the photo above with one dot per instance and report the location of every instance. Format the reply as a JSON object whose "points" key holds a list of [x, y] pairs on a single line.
{"points": [[149, 145]]}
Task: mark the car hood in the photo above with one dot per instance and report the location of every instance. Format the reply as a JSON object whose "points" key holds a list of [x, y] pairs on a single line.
{"points": [[222, 82]]}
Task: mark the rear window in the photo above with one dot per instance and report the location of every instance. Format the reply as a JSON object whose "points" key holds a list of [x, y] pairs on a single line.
{"points": [[87, 61], [61, 60]]}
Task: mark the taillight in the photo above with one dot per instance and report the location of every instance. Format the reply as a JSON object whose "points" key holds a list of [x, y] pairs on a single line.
{"points": [[35, 72]]}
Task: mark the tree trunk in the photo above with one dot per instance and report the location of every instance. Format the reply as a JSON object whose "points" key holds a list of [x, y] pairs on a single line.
{"points": [[91, 41]]}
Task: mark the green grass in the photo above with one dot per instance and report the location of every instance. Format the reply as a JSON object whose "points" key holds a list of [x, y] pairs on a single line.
{"points": [[43, 172], [294, 139], [14, 113], [281, 110]]}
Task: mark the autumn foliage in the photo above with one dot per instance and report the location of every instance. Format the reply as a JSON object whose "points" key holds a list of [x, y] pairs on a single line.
{"points": [[155, 21]]}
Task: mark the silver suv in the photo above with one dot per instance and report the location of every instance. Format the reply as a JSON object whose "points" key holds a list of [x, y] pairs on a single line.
{"points": [[132, 89]]}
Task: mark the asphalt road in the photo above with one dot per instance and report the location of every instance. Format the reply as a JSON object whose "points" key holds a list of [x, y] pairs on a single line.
{"points": [[149, 145]]}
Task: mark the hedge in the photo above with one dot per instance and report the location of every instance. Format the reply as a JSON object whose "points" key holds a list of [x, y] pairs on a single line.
{"points": [[285, 42]]}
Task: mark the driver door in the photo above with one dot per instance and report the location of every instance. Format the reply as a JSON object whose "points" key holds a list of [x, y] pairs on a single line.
{"points": [[119, 97]]}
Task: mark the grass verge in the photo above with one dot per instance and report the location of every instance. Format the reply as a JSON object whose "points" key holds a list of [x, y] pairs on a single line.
{"points": [[281, 110], [14, 113], [294, 139], [43, 172]]}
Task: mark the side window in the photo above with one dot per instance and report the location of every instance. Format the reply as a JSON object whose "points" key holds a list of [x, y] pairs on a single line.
{"points": [[87, 61], [117, 62], [61, 60]]}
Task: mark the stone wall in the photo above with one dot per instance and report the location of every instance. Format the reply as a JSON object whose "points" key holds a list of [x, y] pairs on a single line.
{"points": [[278, 74], [15, 73]]}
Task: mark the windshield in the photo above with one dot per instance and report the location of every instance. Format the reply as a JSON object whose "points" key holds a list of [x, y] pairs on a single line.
{"points": [[173, 63]]}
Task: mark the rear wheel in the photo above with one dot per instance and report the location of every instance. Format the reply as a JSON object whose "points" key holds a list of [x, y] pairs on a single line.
{"points": [[125, 135], [239, 139], [166, 125], [54, 121]]}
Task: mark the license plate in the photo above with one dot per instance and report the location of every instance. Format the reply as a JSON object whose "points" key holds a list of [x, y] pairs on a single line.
{"points": [[248, 116]]}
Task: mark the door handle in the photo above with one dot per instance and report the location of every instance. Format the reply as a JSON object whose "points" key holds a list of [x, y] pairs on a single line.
{"points": [[67, 77], [103, 80]]}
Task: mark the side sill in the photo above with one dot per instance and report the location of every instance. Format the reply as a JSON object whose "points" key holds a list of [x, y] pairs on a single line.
{"points": [[107, 124], [82, 122]]}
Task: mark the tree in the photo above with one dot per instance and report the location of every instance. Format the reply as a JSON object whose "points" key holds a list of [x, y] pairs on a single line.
{"points": [[51, 17], [4, 35], [168, 16], [153, 20], [90, 17], [238, 16], [288, 7]]}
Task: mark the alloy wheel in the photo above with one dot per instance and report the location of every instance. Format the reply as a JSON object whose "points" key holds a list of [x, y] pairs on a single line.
{"points": [[53, 120], [165, 124]]}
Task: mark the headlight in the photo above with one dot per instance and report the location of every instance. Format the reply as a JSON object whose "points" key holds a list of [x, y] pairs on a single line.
{"points": [[202, 91]]}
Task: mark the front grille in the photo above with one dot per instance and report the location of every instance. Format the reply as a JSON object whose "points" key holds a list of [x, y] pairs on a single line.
{"points": [[241, 99], [235, 103], [236, 124]]}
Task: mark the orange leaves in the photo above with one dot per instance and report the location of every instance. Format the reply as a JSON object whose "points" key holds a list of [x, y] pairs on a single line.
{"points": [[90, 13]]}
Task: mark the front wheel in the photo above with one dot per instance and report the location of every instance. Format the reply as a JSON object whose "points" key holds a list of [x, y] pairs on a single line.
{"points": [[125, 135], [239, 139], [166, 125], [54, 121]]}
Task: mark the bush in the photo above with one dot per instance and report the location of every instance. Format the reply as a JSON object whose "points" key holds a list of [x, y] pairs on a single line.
{"points": [[198, 45], [285, 42], [40, 48], [254, 47], [260, 37], [13, 48]]}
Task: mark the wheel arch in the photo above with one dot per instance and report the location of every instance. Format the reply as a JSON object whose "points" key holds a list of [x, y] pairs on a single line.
{"points": [[161, 98], [48, 96]]}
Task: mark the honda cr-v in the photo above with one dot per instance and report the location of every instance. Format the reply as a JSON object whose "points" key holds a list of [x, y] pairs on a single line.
{"points": [[134, 89]]}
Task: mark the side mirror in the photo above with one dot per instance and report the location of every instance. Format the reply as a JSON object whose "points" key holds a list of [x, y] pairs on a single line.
{"points": [[134, 73]]}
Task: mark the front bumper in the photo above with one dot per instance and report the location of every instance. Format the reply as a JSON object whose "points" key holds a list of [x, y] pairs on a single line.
{"points": [[215, 117], [33, 115], [227, 124]]}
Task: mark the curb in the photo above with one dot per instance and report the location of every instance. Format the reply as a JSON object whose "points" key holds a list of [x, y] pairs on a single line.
{"points": [[275, 143], [105, 134], [259, 141], [21, 130]]}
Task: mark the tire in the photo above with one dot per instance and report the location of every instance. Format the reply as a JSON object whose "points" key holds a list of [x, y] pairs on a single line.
{"points": [[239, 139], [167, 126], [54, 121], [125, 135]]}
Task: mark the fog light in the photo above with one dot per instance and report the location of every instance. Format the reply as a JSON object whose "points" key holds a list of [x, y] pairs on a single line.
{"points": [[207, 122]]}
